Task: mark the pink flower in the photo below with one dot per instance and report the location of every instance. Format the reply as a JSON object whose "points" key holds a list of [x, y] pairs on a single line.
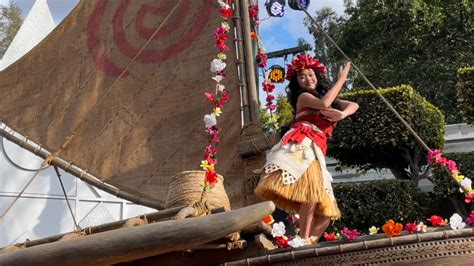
{"points": [[210, 97], [350, 234], [262, 60], [270, 98], [452, 166], [470, 219], [433, 155], [469, 197], [271, 107], [222, 46]]}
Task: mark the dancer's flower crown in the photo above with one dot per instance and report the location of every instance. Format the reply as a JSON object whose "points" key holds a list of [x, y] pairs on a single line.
{"points": [[302, 61]]}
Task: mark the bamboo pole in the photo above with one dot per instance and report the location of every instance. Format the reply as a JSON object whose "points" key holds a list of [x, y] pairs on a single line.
{"points": [[333, 249], [243, 84], [249, 62], [37, 149], [138, 242]]}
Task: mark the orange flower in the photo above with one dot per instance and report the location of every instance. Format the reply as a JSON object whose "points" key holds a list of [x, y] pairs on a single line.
{"points": [[253, 35], [391, 228], [268, 219]]}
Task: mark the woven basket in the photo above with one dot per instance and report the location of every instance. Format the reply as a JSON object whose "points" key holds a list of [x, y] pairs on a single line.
{"points": [[185, 188]]}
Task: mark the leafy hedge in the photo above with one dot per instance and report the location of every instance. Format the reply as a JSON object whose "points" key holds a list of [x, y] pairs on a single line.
{"points": [[465, 93], [372, 203], [374, 137]]}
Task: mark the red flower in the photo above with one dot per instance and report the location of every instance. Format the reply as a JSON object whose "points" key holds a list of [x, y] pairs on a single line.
{"points": [[253, 10], [211, 177], [330, 237], [222, 46], [209, 158], [282, 241], [271, 107], [302, 61], [211, 150], [210, 97], [436, 220], [270, 98], [410, 227], [253, 35], [268, 87], [226, 12], [220, 34]]}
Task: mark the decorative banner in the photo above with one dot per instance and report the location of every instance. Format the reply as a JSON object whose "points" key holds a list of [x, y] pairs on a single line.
{"points": [[277, 74]]}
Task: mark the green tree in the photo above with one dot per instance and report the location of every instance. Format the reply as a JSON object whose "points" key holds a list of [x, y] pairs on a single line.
{"points": [[373, 138], [417, 42], [283, 116], [10, 23]]}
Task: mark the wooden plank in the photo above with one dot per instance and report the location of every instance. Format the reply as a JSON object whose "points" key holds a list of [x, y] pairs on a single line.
{"points": [[139, 242]]}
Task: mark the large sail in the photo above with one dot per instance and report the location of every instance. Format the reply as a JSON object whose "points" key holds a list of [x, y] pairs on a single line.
{"points": [[118, 89]]}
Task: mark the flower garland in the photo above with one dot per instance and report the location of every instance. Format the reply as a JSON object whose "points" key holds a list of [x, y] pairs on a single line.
{"points": [[219, 97], [390, 229], [262, 61], [465, 184]]}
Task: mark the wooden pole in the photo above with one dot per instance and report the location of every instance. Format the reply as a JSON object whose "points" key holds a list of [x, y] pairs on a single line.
{"points": [[250, 64], [37, 149], [138, 242]]}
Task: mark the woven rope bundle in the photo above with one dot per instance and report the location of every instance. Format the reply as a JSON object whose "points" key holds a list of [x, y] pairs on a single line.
{"points": [[185, 188]]}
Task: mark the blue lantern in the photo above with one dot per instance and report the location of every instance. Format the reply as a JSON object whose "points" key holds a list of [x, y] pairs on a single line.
{"points": [[303, 4], [275, 8]]}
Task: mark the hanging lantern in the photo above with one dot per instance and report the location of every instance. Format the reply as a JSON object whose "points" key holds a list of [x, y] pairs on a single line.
{"points": [[303, 4], [275, 8], [277, 74]]}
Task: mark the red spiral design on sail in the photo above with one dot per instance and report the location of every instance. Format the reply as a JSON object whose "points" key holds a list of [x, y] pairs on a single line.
{"points": [[191, 24]]}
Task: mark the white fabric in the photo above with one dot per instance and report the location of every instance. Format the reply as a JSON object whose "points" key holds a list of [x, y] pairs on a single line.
{"points": [[294, 159]]}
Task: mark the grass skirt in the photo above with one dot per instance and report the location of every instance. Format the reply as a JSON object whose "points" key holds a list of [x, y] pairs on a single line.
{"points": [[309, 188]]}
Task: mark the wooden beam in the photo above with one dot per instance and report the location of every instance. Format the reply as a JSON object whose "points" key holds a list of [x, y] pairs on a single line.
{"points": [[138, 242]]}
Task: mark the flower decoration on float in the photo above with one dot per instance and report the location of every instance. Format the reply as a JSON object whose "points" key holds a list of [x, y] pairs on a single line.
{"points": [[303, 61], [262, 62], [437, 220], [390, 228], [465, 184], [219, 97]]}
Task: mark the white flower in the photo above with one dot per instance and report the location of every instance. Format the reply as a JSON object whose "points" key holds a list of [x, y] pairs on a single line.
{"points": [[217, 78], [222, 3], [221, 87], [297, 242], [466, 183], [421, 227], [210, 120], [456, 222], [217, 65], [278, 229]]}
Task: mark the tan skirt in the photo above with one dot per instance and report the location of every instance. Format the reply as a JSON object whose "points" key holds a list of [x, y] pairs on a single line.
{"points": [[309, 188]]}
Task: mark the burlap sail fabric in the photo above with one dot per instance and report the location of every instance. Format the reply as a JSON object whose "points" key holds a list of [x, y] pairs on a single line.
{"points": [[185, 188], [289, 197], [136, 130]]}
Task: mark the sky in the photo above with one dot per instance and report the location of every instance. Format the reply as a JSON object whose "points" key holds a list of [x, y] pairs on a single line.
{"points": [[276, 32]]}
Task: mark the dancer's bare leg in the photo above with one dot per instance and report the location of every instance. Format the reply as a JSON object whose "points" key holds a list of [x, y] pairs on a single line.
{"points": [[319, 225], [306, 219]]}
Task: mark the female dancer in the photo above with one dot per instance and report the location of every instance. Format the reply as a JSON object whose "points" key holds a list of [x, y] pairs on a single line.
{"points": [[295, 175]]}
